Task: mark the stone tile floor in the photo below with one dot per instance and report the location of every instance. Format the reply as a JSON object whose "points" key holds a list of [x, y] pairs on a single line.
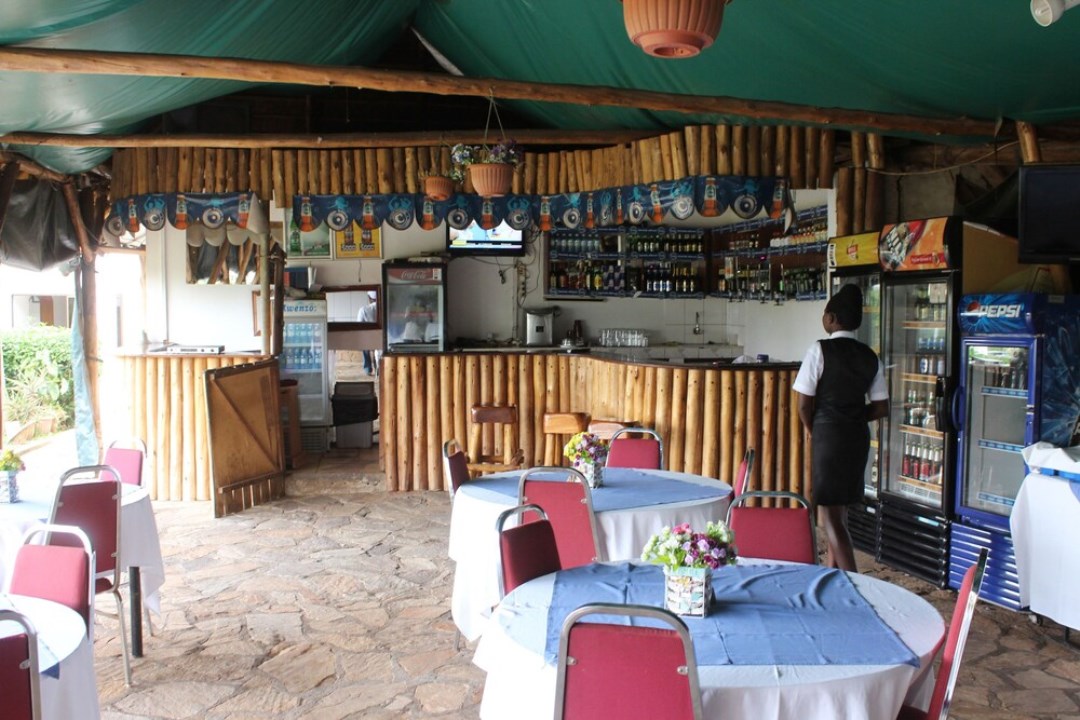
{"points": [[334, 603]]}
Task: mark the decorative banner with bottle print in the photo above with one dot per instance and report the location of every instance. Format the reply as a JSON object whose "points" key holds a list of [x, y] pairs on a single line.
{"points": [[182, 210], [652, 203]]}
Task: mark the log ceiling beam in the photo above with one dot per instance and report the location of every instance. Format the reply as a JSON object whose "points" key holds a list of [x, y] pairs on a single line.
{"points": [[30, 167], [85, 62], [531, 138]]}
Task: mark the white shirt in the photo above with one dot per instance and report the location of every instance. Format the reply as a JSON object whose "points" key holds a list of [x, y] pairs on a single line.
{"points": [[814, 364]]}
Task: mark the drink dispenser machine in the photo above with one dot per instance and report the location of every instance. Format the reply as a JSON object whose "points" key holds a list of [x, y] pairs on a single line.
{"points": [[538, 326]]}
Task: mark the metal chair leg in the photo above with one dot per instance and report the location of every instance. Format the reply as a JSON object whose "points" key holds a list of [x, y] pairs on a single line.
{"points": [[123, 635]]}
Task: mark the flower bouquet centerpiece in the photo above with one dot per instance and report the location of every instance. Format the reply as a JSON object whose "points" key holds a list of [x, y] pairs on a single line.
{"points": [[490, 167], [688, 558], [10, 466], [588, 453]]}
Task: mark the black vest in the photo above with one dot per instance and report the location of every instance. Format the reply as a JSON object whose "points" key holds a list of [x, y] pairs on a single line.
{"points": [[848, 372]]}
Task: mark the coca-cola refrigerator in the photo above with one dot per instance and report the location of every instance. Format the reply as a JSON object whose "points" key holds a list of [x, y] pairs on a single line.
{"points": [[853, 259], [1019, 384], [414, 317], [927, 265]]}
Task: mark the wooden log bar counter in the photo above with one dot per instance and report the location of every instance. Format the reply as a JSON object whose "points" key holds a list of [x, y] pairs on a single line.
{"points": [[707, 416], [168, 410]]}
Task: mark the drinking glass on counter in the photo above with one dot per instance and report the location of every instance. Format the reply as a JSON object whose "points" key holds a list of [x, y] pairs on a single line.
{"points": [[623, 337]]}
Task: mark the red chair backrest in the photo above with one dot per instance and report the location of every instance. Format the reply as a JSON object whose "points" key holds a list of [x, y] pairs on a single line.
{"points": [[54, 572], [527, 551], [571, 516], [626, 672], [93, 506], [455, 467], [16, 679], [956, 638], [634, 453], [773, 533], [128, 462], [742, 477]]}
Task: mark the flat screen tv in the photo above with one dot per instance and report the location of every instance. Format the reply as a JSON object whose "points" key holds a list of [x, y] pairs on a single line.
{"points": [[1049, 213], [474, 240]]}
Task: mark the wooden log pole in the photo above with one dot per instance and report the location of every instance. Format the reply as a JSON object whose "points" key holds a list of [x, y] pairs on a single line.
{"points": [[753, 151], [783, 134], [738, 150], [826, 158], [844, 200]]}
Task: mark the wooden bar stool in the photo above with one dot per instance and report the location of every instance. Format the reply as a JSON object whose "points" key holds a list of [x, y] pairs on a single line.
{"points": [[506, 453], [558, 427]]}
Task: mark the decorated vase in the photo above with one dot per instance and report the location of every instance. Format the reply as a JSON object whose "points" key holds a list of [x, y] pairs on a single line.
{"points": [[9, 486], [688, 591], [593, 472]]}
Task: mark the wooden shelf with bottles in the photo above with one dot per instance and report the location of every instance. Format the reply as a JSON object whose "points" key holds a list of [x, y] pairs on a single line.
{"points": [[651, 262], [759, 260]]}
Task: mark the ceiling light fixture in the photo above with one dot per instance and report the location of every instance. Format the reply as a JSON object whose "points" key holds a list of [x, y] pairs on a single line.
{"points": [[675, 28], [1047, 12]]}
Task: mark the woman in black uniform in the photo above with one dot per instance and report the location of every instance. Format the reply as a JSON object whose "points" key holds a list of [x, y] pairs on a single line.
{"points": [[837, 376]]}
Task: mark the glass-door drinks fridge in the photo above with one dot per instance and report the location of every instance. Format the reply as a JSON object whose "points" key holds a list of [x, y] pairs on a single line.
{"points": [[303, 357], [853, 259], [415, 307], [918, 343], [1019, 383]]}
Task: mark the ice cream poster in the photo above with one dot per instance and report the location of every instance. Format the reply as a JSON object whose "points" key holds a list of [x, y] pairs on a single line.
{"points": [[914, 245]]}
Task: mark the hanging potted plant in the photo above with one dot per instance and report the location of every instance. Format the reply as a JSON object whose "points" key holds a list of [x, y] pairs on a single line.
{"points": [[490, 167], [439, 185]]}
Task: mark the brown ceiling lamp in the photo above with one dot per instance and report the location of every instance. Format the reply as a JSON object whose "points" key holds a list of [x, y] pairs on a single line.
{"points": [[673, 28]]}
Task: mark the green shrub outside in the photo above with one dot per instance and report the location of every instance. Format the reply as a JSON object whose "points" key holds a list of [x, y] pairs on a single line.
{"points": [[37, 375]]}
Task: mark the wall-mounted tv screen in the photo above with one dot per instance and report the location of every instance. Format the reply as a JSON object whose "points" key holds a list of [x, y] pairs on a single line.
{"points": [[474, 240], [1049, 213]]}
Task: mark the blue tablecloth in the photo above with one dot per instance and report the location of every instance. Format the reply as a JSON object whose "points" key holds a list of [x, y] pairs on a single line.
{"points": [[623, 488], [763, 615]]}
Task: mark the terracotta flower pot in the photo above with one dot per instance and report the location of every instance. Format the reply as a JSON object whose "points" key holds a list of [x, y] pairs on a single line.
{"points": [[491, 179], [673, 28], [438, 187]]}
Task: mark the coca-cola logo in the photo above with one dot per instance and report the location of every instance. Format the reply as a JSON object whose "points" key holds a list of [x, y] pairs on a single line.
{"points": [[415, 274]]}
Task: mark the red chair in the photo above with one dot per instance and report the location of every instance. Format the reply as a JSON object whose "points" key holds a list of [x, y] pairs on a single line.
{"points": [[626, 671], [954, 646], [569, 507], [636, 452], [127, 460], [19, 670], [526, 551], [774, 533], [742, 478], [89, 498], [61, 570], [455, 466]]}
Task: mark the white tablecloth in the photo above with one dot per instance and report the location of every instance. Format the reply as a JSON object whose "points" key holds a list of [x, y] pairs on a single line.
{"points": [[1045, 525], [139, 543], [474, 543], [61, 635], [522, 686]]}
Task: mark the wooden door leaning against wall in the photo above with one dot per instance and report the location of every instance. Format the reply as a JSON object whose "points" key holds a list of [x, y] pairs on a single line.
{"points": [[243, 417]]}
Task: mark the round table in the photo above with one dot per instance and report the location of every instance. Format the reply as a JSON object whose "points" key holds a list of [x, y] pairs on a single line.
{"points": [[61, 638], [632, 505], [511, 651]]}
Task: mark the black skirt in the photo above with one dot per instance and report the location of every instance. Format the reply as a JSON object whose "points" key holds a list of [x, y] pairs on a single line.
{"points": [[839, 462]]}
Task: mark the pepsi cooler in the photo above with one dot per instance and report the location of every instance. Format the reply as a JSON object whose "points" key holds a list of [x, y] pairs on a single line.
{"points": [[1019, 384]]}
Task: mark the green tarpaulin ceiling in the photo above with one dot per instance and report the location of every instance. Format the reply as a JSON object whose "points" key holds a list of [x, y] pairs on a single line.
{"points": [[987, 60]]}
